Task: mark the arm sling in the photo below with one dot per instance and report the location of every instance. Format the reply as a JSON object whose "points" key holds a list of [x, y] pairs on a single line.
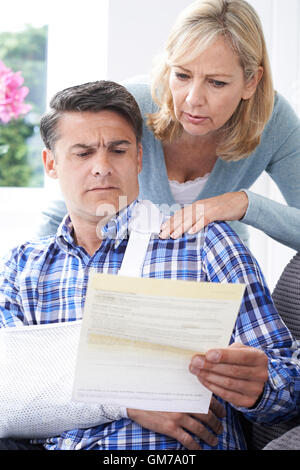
{"points": [[37, 363]]}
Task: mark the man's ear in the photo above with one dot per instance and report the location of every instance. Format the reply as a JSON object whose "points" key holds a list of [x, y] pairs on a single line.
{"points": [[49, 163], [250, 87], [140, 157]]}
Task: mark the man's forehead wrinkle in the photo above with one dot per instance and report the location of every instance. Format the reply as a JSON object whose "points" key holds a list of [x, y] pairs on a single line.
{"points": [[110, 143], [106, 131], [119, 142]]}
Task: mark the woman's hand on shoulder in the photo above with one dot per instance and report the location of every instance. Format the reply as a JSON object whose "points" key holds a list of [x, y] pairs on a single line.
{"points": [[193, 218]]}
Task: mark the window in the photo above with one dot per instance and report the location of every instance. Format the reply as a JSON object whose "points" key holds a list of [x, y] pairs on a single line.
{"points": [[23, 47], [55, 45], [24, 50]]}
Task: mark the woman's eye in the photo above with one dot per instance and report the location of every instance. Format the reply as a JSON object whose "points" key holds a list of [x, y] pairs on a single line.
{"points": [[217, 83], [181, 76]]}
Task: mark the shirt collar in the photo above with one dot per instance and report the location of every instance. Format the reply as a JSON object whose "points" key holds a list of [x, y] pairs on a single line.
{"points": [[115, 229]]}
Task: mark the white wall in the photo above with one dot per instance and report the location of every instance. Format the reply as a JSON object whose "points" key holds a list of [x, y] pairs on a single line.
{"points": [[77, 43], [138, 30], [281, 22]]}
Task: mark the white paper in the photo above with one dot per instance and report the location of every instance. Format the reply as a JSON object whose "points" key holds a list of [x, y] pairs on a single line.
{"points": [[138, 337]]}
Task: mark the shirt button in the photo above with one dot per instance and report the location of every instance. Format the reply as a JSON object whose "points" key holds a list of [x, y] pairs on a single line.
{"points": [[68, 442]]}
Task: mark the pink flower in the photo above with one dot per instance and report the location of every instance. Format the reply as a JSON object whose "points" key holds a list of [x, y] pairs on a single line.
{"points": [[12, 94]]}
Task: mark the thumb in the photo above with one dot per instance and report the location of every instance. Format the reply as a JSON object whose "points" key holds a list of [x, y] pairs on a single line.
{"points": [[237, 346]]}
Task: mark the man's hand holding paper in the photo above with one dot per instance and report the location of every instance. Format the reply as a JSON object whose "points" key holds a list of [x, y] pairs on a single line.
{"points": [[139, 335], [237, 373]]}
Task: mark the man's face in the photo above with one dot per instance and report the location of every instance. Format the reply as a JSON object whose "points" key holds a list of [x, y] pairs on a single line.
{"points": [[97, 161]]}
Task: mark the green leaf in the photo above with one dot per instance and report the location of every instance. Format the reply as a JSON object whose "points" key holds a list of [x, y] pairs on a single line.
{"points": [[3, 149]]}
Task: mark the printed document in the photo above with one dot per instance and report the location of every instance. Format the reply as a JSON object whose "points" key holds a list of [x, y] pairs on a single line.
{"points": [[138, 336]]}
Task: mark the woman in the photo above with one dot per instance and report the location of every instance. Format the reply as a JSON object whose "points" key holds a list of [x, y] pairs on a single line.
{"points": [[213, 124]]}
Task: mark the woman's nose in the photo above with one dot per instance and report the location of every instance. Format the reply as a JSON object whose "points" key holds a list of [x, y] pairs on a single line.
{"points": [[196, 95]]}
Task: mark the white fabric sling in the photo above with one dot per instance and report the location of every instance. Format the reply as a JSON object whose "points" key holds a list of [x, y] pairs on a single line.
{"points": [[37, 363], [145, 222]]}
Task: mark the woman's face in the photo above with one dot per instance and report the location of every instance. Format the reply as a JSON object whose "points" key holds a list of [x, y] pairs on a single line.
{"points": [[207, 91]]}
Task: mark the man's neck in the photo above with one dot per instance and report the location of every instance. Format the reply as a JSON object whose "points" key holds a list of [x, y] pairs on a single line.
{"points": [[88, 230], [87, 235]]}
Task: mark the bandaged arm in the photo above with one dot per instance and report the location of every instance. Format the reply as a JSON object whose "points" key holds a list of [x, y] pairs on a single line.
{"points": [[37, 365]]}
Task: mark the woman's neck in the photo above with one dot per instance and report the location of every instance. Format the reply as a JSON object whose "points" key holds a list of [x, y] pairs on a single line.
{"points": [[190, 157]]}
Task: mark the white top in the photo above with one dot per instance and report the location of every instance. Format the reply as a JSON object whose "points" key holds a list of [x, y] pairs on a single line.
{"points": [[186, 193]]}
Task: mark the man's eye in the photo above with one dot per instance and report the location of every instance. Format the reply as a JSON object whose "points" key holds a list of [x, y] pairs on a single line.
{"points": [[119, 151], [84, 154]]}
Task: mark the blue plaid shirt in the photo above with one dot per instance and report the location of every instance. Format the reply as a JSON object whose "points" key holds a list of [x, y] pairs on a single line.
{"points": [[45, 281]]}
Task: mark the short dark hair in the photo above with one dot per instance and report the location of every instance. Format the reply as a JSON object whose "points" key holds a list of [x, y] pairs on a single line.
{"points": [[93, 97]]}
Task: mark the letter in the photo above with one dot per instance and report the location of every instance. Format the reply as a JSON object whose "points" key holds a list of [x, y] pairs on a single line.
{"points": [[151, 459], [162, 459]]}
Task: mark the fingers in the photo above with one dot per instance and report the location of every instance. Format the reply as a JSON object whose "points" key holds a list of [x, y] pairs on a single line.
{"points": [[236, 354], [211, 421], [199, 423], [199, 225], [237, 374], [198, 429], [237, 399], [186, 440], [244, 390], [176, 426], [193, 218], [175, 226], [217, 408], [170, 424], [184, 220], [182, 426], [193, 424]]}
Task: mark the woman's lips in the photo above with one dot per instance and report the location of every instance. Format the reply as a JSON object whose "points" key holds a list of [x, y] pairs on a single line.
{"points": [[195, 119]]}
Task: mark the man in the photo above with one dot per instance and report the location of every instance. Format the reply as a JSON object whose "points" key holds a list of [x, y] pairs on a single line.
{"points": [[92, 136]]}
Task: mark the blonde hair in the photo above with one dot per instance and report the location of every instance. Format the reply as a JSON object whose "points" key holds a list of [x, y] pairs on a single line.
{"points": [[197, 27]]}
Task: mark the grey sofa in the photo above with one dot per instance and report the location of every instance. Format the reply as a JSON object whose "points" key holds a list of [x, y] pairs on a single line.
{"points": [[286, 297]]}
